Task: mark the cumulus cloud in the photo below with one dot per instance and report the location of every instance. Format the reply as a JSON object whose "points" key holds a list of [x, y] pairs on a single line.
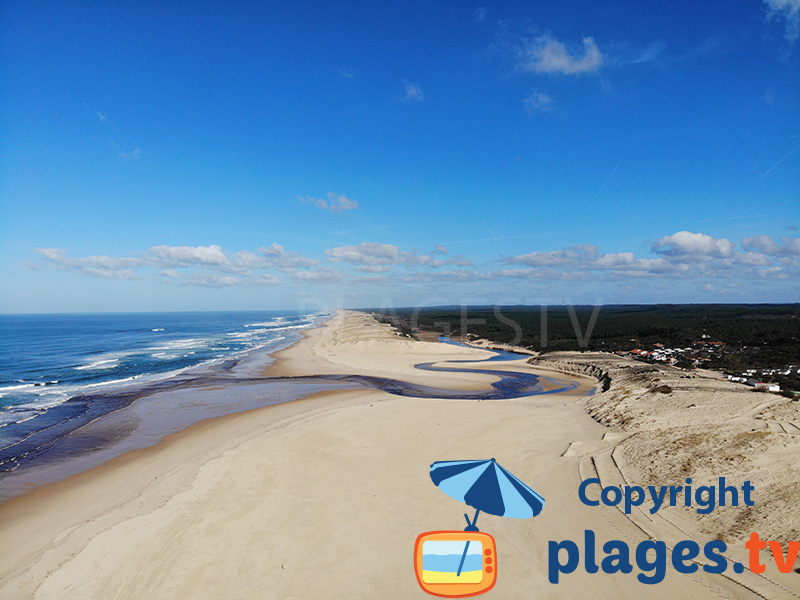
{"points": [[210, 280], [206, 266], [761, 243], [687, 256], [789, 10], [753, 259], [550, 258], [276, 256], [545, 54], [449, 276], [333, 202], [187, 255], [319, 275], [266, 279], [372, 254], [766, 245], [413, 92], [95, 266], [584, 258], [368, 253], [791, 246], [550, 274], [683, 255], [217, 280], [687, 244], [374, 268]]}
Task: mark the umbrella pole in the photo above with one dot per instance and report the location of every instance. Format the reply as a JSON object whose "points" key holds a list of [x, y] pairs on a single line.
{"points": [[470, 527]]}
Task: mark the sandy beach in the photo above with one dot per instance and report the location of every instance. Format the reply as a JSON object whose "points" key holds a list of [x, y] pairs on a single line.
{"points": [[324, 497]]}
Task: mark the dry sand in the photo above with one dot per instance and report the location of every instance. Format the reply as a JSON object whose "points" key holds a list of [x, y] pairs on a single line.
{"points": [[324, 497]]}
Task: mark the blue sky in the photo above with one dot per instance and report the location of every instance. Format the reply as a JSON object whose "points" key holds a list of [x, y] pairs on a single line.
{"points": [[227, 156]]}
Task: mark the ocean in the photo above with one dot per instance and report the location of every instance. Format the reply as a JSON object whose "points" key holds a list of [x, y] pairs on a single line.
{"points": [[60, 372]]}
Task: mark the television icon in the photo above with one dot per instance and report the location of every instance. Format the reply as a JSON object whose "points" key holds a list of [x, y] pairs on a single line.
{"points": [[455, 564]]}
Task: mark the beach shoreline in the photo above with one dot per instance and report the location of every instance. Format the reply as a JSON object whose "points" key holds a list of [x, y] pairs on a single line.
{"points": [[131, 400], [323, 497]]}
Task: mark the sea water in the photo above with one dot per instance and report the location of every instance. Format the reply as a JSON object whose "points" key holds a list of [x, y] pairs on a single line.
{"points": [[49, 362]]}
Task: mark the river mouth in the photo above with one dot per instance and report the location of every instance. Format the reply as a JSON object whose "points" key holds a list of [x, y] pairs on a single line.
{"points": [[88, 430]]}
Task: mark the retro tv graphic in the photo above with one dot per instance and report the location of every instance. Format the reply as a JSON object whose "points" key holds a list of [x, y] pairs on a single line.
{"points": [[455, 564]]}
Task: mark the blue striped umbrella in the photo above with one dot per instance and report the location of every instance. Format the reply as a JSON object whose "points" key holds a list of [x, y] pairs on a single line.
{"points": [[486, 486]]}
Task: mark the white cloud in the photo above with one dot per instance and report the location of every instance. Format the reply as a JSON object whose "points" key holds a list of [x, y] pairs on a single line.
{"points": [[538, 102], [276, 256], [554, 257], [765, 244], [272, 257], [60, 256], [334, 203], [132, 155], [267, 279], [187, 255], [753, 259], [450, 276], [616, 260], [374, 268], [686, 243], [541, 273], [95, 266], [480, 14], [210, 280], [217, 280], [790, 11], [110, 273], [371, 280], [586, 258], [207, 266], [762, 243], [791, 246], [372, 253], [545, 54], [319, 275], [368, 253], [413, 92], [687, 256], [684, 255]]}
